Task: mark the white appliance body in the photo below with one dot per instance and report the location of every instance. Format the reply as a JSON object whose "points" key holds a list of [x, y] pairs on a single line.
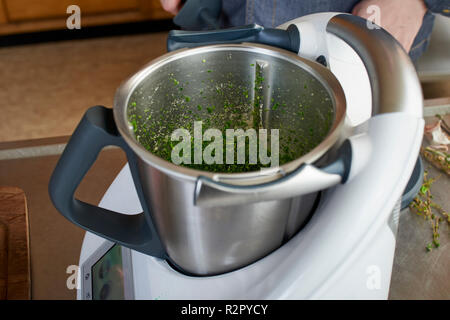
{"points": [[346, 250]]}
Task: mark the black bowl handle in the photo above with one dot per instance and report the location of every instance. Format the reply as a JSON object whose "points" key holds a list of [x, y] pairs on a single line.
{"points": [[95, 131], [288, 39]]}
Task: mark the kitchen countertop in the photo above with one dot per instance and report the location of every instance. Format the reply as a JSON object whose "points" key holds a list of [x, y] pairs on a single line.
{"points": [[56, 243], [418, 274]]}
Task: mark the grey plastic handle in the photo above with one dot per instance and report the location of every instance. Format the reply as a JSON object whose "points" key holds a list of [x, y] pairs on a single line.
{"points": [[288, 39], [96, 130], [393, 78], [210, 193], [304, 180]]}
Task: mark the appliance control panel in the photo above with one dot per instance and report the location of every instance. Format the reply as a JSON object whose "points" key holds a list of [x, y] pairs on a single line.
{"points": [[107, 274]]}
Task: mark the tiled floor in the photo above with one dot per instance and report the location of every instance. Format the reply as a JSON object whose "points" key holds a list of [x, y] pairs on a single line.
{"points": [[45, 88]]}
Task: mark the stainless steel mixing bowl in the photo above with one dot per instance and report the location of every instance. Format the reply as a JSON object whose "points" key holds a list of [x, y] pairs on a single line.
{"points": [[311, 106]]}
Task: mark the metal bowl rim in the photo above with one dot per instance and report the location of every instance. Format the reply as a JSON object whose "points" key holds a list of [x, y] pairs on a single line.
{"points": [[319, 72]]}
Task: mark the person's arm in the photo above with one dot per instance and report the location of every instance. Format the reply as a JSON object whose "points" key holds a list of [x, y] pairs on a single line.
{"points": [[439, 6], [401, 18], [172, 6]]}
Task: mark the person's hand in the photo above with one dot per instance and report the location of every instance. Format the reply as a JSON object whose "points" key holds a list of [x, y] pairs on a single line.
{"points": [[401, 18], [172, 6]]}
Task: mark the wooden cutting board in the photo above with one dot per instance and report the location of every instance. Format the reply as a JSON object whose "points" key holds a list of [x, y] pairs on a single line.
{"points": [[14, 245]]}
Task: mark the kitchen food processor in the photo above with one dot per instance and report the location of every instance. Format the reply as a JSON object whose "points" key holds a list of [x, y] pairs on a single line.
{"points": [[322, 226]]}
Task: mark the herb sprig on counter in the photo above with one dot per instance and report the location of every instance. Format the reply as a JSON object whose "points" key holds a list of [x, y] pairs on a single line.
{"points": [[424, 206]]}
